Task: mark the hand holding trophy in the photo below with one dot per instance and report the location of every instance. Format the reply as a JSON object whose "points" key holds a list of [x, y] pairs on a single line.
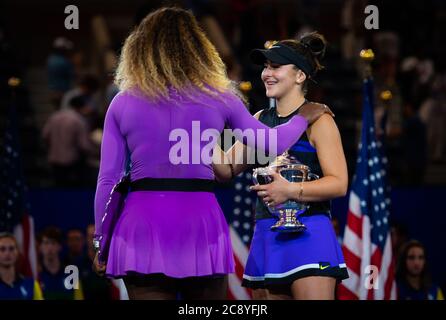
{"points": [[287, 212]]}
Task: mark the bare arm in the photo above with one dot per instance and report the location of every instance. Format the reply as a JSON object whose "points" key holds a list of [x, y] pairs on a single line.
{"points": [[325, 137]]}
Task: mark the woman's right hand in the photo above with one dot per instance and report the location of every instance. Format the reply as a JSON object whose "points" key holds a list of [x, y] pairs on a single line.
{"points": [[313, 111], [98, 267]]}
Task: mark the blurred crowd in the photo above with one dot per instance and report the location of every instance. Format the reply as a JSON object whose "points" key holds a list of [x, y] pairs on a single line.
{"points": [[57, 251], [410, 80]]}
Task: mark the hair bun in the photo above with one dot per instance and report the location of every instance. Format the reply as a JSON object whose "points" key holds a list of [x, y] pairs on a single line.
{"points": [[315, 43]]}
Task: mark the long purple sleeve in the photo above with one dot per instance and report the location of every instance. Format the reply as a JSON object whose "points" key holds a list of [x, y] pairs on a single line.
{"points": [[282, 136], [113, 159], [143, 129]]}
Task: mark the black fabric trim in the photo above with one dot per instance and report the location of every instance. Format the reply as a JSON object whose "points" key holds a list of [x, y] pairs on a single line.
{"points": [[172, 184], [335, 272]]}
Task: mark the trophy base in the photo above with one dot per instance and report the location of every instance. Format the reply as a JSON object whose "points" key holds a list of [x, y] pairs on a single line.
{"points": [[288, 222], [289, 227]]}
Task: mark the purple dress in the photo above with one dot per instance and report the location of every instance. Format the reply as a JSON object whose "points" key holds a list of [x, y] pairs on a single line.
{"points": [[177, 233]]}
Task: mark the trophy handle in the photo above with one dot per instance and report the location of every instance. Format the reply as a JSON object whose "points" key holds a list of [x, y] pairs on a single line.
{"points": [[260, 172], [301, 177], [254, 178], [312, 176]]}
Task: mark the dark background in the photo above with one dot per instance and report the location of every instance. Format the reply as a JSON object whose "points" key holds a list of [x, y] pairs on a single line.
{"points": [[418, 180]]}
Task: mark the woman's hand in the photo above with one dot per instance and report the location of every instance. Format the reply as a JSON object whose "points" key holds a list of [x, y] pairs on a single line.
{"points": [[275, 192], [98, 267], [313, 111]]}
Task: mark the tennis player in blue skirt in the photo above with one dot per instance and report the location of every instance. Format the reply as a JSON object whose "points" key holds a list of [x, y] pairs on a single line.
{"points": [[303, 265]]}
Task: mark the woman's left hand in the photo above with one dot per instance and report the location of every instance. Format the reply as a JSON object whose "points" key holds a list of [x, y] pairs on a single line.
{"points": [[98, 267], [275, 192]]}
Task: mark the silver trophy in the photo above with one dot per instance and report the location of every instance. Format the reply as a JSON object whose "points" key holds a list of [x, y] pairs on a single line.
{"points": [[292, 170]]}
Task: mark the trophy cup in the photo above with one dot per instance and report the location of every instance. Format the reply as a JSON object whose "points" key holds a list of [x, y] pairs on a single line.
{"points": [[262, 175], [292, 170]]}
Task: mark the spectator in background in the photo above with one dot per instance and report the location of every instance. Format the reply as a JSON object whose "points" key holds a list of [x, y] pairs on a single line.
{"points": [[414, 147], [60, 69], [433, 114], [76, 250], [111, 89], [88, 87], [352, 23], [412, 275], [14, 286], [52, 275], [391, 110], [67, 135], [416, 75]]}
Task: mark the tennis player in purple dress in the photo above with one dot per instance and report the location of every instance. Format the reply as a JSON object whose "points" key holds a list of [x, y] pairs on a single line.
{"points": [[171, 237]]}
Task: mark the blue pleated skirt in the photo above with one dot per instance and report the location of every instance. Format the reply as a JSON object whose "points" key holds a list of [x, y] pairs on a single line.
{"points": [[281, 258]]}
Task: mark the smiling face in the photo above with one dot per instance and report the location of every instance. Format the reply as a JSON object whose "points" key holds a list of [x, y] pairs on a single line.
{"points": [[280, 80]]}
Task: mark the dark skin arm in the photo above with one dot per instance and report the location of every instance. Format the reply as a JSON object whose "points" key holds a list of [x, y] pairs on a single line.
{"points": [[98, 267]]}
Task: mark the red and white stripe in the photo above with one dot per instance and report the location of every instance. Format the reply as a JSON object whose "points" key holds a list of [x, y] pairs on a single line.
{"points": [[360, 252], [236, 291], [24, 234], [121, 290]]}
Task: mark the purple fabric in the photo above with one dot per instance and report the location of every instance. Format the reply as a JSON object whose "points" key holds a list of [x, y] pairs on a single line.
{"points": [[139, 128], [111, 216], [179, 234]]}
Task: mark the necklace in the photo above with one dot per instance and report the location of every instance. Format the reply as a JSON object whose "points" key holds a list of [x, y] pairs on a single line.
{"points": [[291, 112]]}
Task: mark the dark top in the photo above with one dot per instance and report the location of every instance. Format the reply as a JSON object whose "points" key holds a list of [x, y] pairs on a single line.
{"points": [[53, 285], [303, 151], [406, 292], [21, 289]]}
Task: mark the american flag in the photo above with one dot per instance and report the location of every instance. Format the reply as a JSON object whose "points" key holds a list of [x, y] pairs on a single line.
{"points": [[14, 208], [240, 217], [367, 239]]}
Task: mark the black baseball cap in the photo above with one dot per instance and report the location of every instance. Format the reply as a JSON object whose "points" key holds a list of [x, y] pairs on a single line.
{"points": [[282, 54]]}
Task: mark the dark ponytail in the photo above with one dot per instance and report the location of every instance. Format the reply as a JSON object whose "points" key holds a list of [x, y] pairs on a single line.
{"points": [[312, 47], [315, 44]]}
